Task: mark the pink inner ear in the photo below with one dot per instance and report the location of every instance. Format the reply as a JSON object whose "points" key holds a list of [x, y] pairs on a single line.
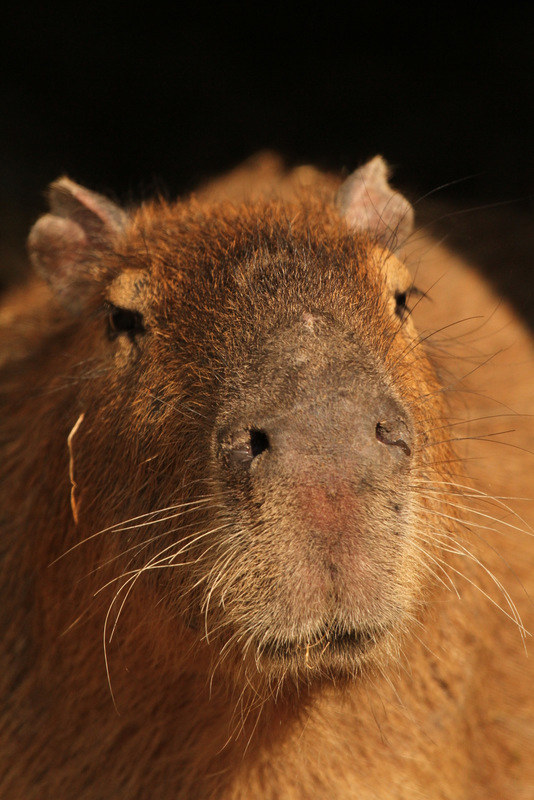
{"points": [[368, 203], [55, 244], [65, 246], [58, 249], [97, 215]]}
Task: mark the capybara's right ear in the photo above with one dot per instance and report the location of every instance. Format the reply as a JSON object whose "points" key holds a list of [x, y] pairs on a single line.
{"points": [[64, 245]]}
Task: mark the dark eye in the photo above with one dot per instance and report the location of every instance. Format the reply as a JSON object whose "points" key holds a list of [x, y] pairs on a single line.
{"points": [[401, 309], [401, 301], [124, 321]]}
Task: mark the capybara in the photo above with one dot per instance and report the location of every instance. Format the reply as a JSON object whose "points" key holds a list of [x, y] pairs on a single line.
{"points": [[266, 460]]}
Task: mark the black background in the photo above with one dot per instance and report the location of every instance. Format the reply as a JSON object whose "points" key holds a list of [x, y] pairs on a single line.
{"points": [[133, 99]]}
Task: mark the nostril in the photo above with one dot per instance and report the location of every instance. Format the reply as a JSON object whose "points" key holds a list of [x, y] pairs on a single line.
{"points": [[394, 433], [259, 441], [242, 447]]}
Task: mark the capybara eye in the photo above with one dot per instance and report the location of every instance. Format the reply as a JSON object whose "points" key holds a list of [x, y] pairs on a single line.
{"points": [[401, 309], [124, 320]]}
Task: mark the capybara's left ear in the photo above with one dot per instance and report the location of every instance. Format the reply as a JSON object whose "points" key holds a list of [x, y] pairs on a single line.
{"points": [[368, 203]]}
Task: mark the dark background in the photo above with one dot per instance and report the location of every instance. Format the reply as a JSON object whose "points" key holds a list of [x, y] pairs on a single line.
{"points": [[132, 99]]}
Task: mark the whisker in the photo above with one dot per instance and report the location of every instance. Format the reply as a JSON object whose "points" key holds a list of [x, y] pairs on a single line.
{"points": [[121, 527], [477, 513], [460, 550]]}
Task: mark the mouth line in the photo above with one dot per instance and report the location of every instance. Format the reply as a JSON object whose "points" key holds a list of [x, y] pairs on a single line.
{"points": [[323, 643]]}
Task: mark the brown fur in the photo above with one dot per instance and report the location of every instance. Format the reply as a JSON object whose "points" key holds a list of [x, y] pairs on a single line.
{"points": [[176, 625]]}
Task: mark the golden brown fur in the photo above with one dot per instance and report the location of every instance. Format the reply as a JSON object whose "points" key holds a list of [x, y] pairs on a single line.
{"points": [[167, 632]]}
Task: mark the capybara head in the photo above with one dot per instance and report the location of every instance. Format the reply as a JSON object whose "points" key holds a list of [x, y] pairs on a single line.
{"points": [[249, 416]]}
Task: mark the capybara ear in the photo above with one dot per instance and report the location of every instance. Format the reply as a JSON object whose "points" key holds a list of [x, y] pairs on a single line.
{"points": [[368, 203], [64, 245]]}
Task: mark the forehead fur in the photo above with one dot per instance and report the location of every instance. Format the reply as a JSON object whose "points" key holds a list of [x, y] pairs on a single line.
{"points": [[261, 250]]}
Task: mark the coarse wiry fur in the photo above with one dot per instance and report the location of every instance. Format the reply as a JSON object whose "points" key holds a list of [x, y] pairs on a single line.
{"points": [[172, 627]]}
